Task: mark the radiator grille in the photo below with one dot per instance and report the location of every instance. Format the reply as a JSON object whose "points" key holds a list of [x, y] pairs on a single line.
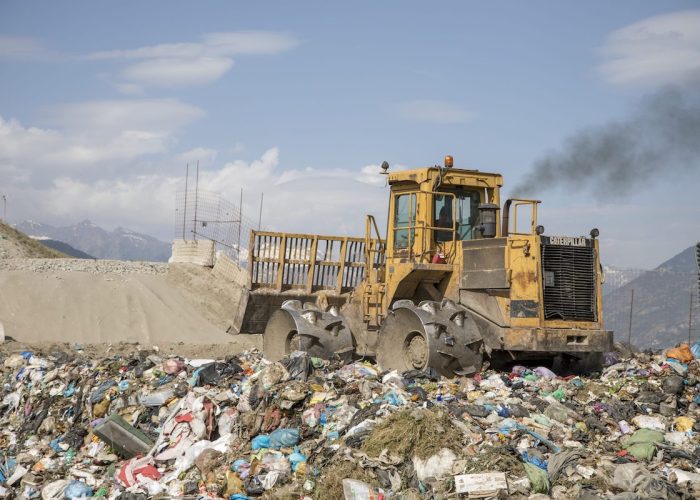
{"points": [[569, 278]]}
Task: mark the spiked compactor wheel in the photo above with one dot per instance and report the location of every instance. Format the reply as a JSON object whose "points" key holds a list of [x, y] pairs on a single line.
{"points": [[294, 326], [438, 335]]}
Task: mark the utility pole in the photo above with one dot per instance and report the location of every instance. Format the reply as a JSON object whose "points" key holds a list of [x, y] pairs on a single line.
{"points": [[196, 201], [240, 223], [629, 333], [184, 215], [260, 214], [4, 208]]}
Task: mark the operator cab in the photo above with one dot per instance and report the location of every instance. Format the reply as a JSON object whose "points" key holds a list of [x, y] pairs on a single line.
{"points": [[457, 207], [432, 209]]}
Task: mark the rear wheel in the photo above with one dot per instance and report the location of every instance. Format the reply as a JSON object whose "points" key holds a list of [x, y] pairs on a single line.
{"points": [[432, 335], [403, 343]]}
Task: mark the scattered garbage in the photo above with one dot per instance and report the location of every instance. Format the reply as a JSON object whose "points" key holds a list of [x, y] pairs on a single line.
{"points": [[152, 425], [481, 485]]}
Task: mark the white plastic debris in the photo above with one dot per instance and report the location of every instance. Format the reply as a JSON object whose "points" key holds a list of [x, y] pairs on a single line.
{"points": [[489, 483]]}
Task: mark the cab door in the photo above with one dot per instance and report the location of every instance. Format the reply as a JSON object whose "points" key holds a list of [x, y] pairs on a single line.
{"points": [[401, 236]]}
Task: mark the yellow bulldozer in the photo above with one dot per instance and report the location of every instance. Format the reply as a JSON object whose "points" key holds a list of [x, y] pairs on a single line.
{"points": [[456, 280]]}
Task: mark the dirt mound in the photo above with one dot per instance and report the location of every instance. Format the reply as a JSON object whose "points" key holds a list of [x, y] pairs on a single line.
{"points": [[100, 302], [15, 244]]}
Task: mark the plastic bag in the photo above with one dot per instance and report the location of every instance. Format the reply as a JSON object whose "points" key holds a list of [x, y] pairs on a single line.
{"points": [[212, 373], [544, 372], [682, 353], [649, 422], [296, 459], [642, 444], [436, 466], [298, 364], [357, 490], [173, 366], [684, 424], [539, 481], [696, 350], [99, 393], [54, 490], [284, 438], [260, 441], [77, 489], [273, 374]]}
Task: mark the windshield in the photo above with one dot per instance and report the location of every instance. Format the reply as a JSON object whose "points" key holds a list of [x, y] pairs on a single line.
{"points": [[465, 204]]}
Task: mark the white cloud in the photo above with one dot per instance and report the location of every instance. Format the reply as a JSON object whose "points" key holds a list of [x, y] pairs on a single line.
{"points": [[21, 48], [161, 115], [194, 63], [202, 155], [95, 139], [432, 111], [662, 49], [212, 44], [113, 162], [175, 72], [312, 200], [130, 89]]}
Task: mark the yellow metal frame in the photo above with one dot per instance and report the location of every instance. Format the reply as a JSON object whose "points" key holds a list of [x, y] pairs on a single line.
{"points": [[284, 261], [533, 217]]}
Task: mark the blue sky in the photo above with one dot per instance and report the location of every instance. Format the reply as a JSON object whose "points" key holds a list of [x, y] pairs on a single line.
{"points": [[103, 103]]}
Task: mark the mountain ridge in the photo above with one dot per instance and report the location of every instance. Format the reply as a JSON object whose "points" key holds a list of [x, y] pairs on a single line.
{"points": [[93, 240]]}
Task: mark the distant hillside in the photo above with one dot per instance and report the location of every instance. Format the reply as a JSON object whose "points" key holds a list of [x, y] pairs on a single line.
{"points": [[120, 244], [661, 303], [62, 247], [15, 244], [616, 277]]}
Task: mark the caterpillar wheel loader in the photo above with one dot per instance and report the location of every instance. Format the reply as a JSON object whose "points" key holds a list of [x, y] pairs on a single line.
{"points": [[456, 279]]}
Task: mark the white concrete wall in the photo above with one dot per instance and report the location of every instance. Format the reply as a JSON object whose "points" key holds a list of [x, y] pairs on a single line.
{"points": [[228, 269], [200, 252]]}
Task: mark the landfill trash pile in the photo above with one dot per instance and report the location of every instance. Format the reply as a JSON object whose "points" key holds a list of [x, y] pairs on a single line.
{"points": [[151, 425]]}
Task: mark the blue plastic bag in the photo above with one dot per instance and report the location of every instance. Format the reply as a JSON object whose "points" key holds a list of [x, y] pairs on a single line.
{"points": [[284, 438], [296, 458], [77, 489], [260, 441], [542, 464], [696, 350]]}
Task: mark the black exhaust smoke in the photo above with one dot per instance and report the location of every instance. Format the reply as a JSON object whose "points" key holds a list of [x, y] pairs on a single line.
{"points": [[660, 138]]}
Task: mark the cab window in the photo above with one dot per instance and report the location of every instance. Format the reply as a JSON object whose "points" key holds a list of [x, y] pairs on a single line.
{"points": [[404, 219], [459, 206]]}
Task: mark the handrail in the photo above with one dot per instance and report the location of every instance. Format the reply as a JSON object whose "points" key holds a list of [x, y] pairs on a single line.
{"points": [[505, 227], [375, 249]]}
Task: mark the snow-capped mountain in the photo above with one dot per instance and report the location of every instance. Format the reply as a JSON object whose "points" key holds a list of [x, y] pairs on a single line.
{"points": [[120, 244]]}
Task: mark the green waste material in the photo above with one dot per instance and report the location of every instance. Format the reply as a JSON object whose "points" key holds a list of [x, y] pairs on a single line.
{"points": [[642, 444], [644, 436], [539, 481], [642, 451], [559, 394]]}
